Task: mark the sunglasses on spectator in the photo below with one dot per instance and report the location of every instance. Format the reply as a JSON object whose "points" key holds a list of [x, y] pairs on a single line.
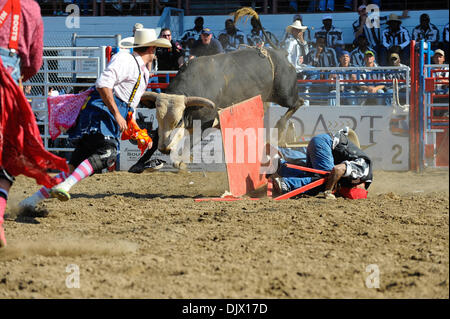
{"points": [[166, 35]]}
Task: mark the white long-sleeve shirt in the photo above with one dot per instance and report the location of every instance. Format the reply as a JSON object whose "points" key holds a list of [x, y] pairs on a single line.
{"points": [[121, 75], [295, 50]]}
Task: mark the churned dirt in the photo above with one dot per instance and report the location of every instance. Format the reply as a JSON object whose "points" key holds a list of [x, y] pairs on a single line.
{"points": [[143, 236]]}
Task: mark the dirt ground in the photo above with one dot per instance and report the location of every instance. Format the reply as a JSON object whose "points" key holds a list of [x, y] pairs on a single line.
{"points": [[143, 236]]}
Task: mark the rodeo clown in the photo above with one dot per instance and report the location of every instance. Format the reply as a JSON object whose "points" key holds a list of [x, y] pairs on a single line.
{"points": [[340, 154], [21, 148], [101, 122]]}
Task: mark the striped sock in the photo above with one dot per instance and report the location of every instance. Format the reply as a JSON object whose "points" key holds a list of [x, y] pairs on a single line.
{"points": [[82, 171], [42, 193]]}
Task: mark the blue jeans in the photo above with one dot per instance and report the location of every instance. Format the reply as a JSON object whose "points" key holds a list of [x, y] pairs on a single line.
{"points": [[11, 63], [318, 155]]}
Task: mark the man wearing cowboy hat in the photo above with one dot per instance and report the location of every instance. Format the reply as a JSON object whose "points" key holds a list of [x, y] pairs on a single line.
{"points": [[332, 34], [395, 38], [102, 120], [295, 44], [338, 153]]}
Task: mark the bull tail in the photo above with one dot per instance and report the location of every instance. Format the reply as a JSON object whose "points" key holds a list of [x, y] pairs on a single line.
{"points": [[249, 12]]}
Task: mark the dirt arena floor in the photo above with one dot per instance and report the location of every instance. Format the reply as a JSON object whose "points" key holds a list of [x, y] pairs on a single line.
{"points": [[143, 236]]}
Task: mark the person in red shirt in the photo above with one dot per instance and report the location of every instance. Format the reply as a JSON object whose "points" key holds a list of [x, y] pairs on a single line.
{"points": [[21, 148]]}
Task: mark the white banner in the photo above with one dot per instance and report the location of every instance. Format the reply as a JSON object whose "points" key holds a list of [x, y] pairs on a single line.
{"points": [[383, 136]]}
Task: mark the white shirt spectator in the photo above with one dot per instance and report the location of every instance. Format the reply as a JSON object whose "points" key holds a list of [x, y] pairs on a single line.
{"points": [[121, 74], [295, 50]]}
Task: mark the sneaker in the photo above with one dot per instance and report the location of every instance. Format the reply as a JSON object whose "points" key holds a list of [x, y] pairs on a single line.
{"points": [[153, 165], [60, 194]]}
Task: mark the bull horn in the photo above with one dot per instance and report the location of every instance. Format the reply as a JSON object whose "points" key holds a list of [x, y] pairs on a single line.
{"points": [[198, 101], [148, 99]]}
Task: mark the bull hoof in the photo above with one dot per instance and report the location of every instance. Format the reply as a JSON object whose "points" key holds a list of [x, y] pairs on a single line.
{"points": [[180, 165], [137, 168]]}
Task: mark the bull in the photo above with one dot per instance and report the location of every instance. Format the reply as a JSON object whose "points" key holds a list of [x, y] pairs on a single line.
{"points": [[207, 84], [210, 83]]}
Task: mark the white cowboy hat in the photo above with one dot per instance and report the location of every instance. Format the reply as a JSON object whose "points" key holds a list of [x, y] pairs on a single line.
{"points": [[144, 38], [296, 25]]}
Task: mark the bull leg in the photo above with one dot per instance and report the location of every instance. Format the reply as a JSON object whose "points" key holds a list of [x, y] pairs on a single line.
{"points": [[140, 164], [281, 124]]}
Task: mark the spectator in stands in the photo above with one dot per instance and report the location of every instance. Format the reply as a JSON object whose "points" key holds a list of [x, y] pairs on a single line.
{"points": [[191, 35], [371, 31], [395, 38], [426, 31], [58, 9], [445, 40], [304, 72], [333, 36], [371, 87], [346, 88], [394, 60], [231, 37], [169, 59], [321, 55], [357, 55], [439, 59], [256, 36], [306, 34], [295, 44], [324, 5], [206, 45]]}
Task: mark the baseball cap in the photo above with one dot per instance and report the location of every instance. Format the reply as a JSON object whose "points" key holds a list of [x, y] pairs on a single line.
{"points": [[439, 51], [344, 52], [369, 52], [395, 56], [327, 17], [363, 6], [207, 31]]}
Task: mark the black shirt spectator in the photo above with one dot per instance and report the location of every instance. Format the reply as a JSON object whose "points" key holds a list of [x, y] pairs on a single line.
{"points": [[206, 45], [357, 55], [426, 31], [371, 32], [321, 55], [231, 37], [256, 36], [191, 35], [395, 38], [333, 36], [169, 59]]}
